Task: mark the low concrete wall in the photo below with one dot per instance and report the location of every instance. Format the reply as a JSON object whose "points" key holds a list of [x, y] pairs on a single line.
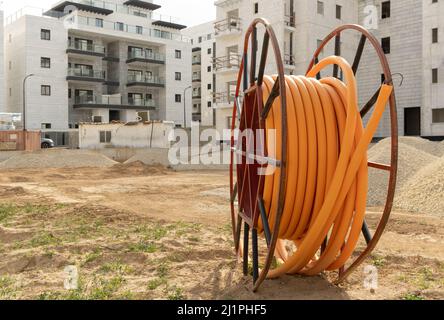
{"points": [[132, 135], [154, 156]]}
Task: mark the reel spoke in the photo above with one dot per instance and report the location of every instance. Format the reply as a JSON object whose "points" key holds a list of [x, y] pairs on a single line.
{"points": [[337, 53], [359, 52], [369, 105]]}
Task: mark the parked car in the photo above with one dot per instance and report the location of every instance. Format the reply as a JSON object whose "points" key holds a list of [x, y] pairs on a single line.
{"points": [[47, 143]]}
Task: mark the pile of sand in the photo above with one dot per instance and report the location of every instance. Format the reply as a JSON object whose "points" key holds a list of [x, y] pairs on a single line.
{"points": [[424, 191], [57, 158], [411, 160]]}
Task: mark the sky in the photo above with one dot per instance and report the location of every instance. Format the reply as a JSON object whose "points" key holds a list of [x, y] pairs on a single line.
{"points": [[188, 12]]}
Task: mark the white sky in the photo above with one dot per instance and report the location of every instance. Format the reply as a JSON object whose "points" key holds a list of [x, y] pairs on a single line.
{"points": [[188, 12]]}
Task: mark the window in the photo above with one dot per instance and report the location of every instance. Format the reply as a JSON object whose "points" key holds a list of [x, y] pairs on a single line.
{"points": [[178, 98], [69, 93], [46, 126], [200, 40], [178, 76], [434, 1], [45, 90], [97, 119], [209, 51], [320, 7], [209, 104], [45, 63], [45, 34], [256, 8], [209, 86], [99, 23], [385, 43], [209, 36], [385, 10], [139, 30], [435, 35], [209, 69], [178, 54], [338, 12], [105, 136], [438, 115], [435, 75], [119, 26]]}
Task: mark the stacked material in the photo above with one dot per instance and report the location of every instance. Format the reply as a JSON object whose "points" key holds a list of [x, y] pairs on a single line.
{"points": [[424, 191], [57, 158], [420, 175]]}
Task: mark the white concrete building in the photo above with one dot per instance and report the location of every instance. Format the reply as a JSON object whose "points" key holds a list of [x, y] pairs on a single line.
{"points": [[2, 67], [411, 35], [98, 61], [299, 26], [204, 81]]}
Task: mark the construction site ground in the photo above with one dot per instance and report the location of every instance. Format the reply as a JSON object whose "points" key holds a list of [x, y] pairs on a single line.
{"points": [[140, 232]]}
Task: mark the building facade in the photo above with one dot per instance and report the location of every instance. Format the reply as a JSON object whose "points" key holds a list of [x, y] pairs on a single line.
{"points": [[97, 62], [299, 27], [2, 67], [203, 77]]}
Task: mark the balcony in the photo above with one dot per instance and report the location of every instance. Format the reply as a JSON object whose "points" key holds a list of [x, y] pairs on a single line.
{"points": [[77, 47], [197, 77], [145, 81], [145, 57], [290, 20], [99, 7], [75, 74], [289, 60], [112, 102], [223, 99], [197, 61], [230, 63], [227, 26], [197, 94], [84, 22]]}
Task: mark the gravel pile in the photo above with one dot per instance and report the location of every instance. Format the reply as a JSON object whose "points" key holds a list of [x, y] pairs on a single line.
{"points": [[411, 160], [424, 192], [57, 159]]}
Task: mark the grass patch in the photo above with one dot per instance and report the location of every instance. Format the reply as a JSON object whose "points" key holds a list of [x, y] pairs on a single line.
{"points": [[92, 256], [44, 239], [7, 211], [144, 247], [116, 267], [7, 290], [412, 297], [156, 283], [378, 261], [175, 294]]}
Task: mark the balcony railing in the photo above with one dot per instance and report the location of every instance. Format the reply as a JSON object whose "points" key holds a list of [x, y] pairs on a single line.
{"points": [[94, 100], [227, 26], [230, 62], [85, 47], [197, 94], [138, 102], [223, 97], [86, 73], [289, 60], [290, 20], [146, 55], [97, 100], [78, 20], [148, 80], [197, 61], [197, 77]]}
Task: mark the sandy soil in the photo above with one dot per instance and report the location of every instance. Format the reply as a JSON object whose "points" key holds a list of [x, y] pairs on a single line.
{"points": [[138, 232]]}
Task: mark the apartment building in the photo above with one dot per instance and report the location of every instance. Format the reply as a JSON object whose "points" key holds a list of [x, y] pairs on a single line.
{"points": [[97, 61], [409, 32], [299, 28], [2, 70], [203, 77]]}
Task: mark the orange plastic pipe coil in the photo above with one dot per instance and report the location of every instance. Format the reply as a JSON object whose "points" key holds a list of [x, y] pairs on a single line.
{"points": [[327, 168]]}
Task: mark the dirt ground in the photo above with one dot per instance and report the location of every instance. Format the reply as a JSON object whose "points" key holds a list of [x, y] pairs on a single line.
{"points": [[138, 232]]}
